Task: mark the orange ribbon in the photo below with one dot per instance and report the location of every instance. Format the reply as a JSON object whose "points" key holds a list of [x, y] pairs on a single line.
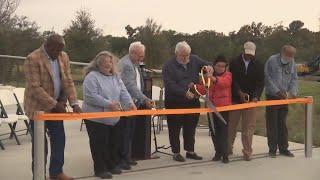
{"points": [[98, 115]]}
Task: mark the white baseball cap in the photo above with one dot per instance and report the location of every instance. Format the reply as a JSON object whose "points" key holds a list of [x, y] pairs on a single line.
{"points": [[249, 48]]}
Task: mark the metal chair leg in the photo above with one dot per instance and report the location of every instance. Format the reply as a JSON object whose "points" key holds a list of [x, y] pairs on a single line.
{"points": [[1, 145], [81, 126], [27, 126], [14, 128], [14, 133]]}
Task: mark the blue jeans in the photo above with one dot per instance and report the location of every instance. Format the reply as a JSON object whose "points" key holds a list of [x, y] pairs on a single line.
{"points": [[56, 134]]}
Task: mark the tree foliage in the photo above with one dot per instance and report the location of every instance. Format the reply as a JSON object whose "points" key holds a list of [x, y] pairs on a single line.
{"points": [[19, 36], [83, 39]]}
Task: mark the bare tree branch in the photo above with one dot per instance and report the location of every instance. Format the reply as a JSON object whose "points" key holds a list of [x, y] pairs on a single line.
{"points": [[7, 8]]}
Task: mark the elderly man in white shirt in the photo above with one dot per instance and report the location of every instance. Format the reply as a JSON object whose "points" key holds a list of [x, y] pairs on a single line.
{"points": [[131, 75]]}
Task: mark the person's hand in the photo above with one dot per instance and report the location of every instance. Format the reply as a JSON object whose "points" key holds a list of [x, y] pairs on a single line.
{"points": [[190, 85], [210, 71], [150, 104], [282, 95], [132, 107], [59, 108], [189, 95], [244, 97], [76, 108], [114, 106], [213, 79]]}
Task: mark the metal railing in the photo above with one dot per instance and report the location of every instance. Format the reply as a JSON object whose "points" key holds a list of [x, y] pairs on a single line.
{"points": [[11, 70]]}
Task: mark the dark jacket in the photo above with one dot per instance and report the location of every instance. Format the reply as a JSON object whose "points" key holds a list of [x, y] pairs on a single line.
{"points": [[176, 80], [251, 82]]}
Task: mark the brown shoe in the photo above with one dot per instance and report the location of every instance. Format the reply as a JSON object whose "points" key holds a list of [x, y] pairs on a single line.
{"points": [[247, 158], [61, 176]]}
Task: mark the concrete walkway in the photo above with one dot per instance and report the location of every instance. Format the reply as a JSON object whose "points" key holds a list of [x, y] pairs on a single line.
{"points": [[15, 161]]}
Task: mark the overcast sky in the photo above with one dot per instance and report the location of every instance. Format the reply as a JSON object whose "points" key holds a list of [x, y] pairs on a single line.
{"points": [[180, 15]]}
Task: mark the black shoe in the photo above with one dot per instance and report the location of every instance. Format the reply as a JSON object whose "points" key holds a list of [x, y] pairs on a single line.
{"points": [[116, 171], [104, 175], [125, 166], [287, 153], [179, 158], [132, 163], [217, 157], [225, 159], [272, 154], [193, 156]]}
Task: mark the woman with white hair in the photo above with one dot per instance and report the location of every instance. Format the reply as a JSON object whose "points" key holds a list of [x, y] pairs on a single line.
{"points": [[103, 91]]}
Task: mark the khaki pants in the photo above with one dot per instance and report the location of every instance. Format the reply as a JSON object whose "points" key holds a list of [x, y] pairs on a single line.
{"points": [[248, 125]]}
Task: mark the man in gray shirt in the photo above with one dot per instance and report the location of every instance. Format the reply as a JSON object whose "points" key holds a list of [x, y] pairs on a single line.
{"points": [[131, 75], [281, 82]]}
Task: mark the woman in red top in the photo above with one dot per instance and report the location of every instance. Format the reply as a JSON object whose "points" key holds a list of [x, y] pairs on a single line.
{"points": [[220, 95]]}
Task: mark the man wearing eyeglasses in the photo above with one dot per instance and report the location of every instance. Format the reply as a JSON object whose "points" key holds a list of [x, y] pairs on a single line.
{"points": [[178, 73]]}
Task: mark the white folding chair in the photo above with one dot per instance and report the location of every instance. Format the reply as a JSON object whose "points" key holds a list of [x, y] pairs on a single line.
{"points": [[19, 97], [1, 145], [9, 113], [158, 95], [7, 101]]}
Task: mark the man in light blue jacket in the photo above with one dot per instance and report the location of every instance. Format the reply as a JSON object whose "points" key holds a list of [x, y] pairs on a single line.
{"points": [[131, 75], [281, 82]]}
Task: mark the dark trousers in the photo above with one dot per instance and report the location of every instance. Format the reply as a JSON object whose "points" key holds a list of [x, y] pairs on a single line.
{"points": [[104, 145], [127, 126], [220, 135], [56, 134], [277, 131], [188, 123]]}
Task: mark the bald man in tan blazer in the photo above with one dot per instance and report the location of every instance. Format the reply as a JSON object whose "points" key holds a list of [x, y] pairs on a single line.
{"points": [[48, 87]]}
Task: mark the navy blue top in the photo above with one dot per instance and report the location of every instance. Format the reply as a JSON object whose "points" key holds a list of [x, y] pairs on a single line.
{"points": [[176, 79]]}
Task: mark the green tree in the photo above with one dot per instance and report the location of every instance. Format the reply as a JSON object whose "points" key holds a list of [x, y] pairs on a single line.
{"points": [[83, 39], [157, 47], [118, 45], [7, 8], [295, 26]]}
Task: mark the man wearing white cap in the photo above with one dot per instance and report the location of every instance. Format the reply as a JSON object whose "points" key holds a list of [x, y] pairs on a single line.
{"points": [[247, 86]]}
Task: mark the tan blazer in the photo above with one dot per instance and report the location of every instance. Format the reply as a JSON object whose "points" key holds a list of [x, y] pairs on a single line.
{"points": [[39, 91]]}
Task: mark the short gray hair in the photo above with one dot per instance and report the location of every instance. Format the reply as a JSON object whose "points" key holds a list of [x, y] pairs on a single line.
{"points": [[288, 48], [95, 63], [183, 45], [136, 45]]}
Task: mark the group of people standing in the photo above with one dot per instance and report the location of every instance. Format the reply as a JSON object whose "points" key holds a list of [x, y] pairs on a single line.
{"points": [[110, 85], [114, 85], [241, 80]]}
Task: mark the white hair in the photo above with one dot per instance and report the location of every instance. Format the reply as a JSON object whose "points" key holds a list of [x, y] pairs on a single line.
{"points": [[96, 62], [288, 49], [136, 45], [183, 45]]}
